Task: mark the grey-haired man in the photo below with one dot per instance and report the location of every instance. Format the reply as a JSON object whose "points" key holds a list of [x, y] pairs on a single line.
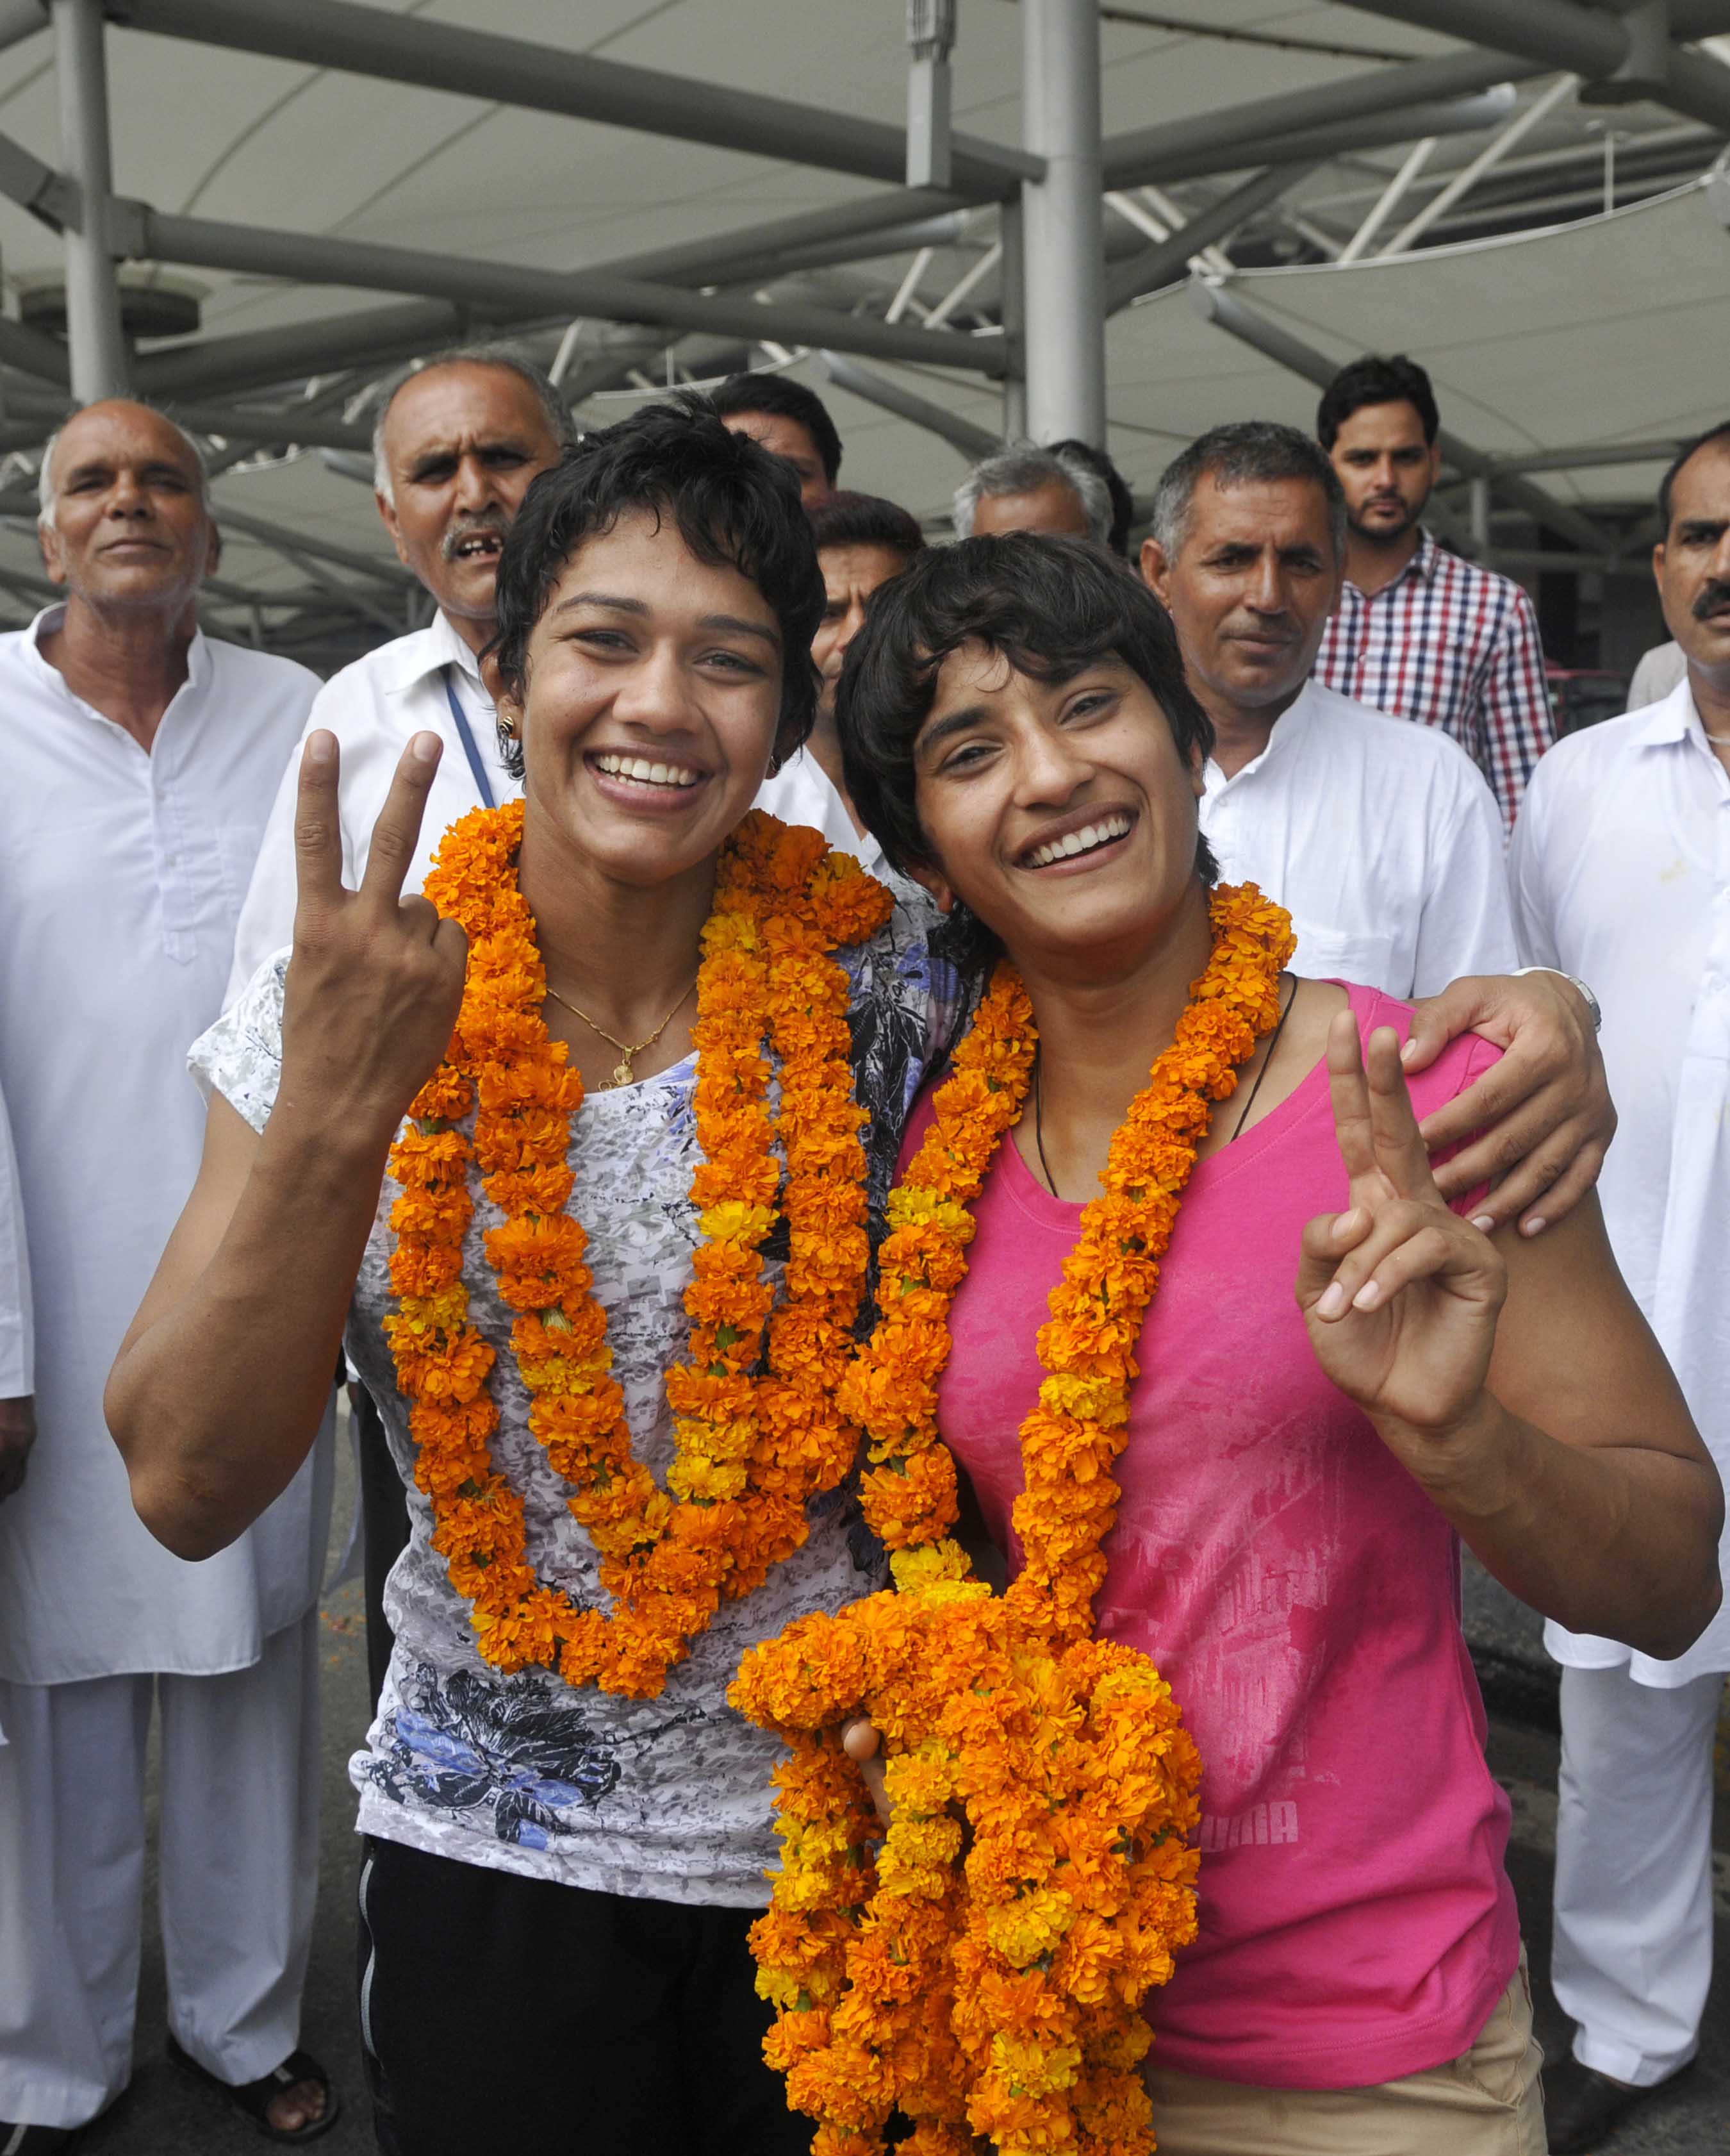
{"points": [[138, 758], [1027, 489]]}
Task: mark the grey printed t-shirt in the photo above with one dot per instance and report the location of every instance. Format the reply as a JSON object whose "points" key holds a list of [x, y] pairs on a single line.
{"points": [[667, 1798]]}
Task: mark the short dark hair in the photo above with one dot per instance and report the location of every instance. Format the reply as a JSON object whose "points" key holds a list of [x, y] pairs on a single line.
{"points": [[844, 518], [1050, 607], [1122, 502], [1685, 454], [1243, 452], [1375, 380], [733, 505], [786, 400]]}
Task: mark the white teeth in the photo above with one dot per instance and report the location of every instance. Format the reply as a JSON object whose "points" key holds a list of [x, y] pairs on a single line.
{"points": [[649, 774], [1079, 842]]}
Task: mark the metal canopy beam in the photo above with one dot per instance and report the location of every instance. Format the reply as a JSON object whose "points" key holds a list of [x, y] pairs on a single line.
{"points": [[1557, 35], [480, 65], [1285, 350], [20, 19], [309, 430], [973, 442], [1375, 130], [386, 571], [728, 257], [376, 335], [151, 235], [1247, 127], [1167, 261]]}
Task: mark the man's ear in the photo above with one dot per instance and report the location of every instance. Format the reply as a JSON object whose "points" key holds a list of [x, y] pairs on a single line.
{"points": [[213, 554], [1155, 569], [387, 513], [53, 558]]}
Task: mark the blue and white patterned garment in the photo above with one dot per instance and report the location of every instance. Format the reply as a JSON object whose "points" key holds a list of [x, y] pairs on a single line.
{"points": [[668, 1798]]}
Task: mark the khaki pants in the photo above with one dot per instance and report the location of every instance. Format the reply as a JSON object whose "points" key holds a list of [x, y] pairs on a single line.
{"points": [[1486, 2104]]}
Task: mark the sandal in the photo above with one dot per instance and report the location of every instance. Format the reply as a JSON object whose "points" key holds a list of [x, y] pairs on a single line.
{"points": [[253, 2099]]}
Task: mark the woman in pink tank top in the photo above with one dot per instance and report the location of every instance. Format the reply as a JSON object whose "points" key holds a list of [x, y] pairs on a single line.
{"points": [[1299, 1468]]}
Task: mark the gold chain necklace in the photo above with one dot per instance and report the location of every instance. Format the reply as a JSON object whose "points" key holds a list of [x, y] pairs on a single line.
{"points": [[623, 1074]]}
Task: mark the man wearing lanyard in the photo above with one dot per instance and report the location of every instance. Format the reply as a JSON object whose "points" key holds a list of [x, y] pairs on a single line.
{"points": [[1621, 871], [456, 445]]}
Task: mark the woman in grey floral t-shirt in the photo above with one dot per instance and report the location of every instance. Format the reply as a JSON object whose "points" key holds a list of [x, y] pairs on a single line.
{"points": [[557, 1880]]}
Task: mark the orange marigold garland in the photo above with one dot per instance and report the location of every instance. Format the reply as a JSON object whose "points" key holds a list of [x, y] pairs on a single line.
{"points": [[998, 1992], [757, 1433]]}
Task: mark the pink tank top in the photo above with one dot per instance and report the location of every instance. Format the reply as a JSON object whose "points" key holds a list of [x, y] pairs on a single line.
{"points": [[1302, 1597]]}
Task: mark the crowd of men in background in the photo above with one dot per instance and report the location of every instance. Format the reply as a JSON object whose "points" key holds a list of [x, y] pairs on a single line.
{"points": [[148, 778]]}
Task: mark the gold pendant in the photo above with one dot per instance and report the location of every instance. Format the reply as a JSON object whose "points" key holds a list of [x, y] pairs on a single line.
{"points": [[624, 1075]]}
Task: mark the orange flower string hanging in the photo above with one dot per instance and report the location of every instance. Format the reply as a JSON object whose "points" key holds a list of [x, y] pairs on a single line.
{"points": [[998, 1993], [757, 1431]]}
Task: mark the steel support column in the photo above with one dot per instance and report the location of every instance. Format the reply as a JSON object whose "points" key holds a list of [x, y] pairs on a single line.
{"points": [[1064, 253], [1012, 231], [93, 299]]}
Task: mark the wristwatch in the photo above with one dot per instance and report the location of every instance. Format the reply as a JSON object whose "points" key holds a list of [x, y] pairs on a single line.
{"points": [[1573, 981]]}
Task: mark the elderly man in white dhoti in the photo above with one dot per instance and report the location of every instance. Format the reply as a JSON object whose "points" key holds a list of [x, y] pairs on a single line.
{"points": [[137, 763], [1621, 870]]}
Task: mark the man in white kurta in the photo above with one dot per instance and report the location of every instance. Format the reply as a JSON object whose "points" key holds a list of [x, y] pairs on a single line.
{"points": [[1620, 864], [137, 761]]}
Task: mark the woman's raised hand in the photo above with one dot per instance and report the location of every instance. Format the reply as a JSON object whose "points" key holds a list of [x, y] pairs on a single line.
{"points": [[1401, 1296], [376, 980]]}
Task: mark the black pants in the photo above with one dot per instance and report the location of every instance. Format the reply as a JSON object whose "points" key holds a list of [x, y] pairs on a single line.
{"points": [[504, 2016]]}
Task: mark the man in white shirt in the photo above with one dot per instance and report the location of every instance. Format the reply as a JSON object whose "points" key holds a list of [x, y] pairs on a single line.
{"points": [[18, 1331], [1381, 839], [861, 542], [455, 446], [1622, 869], [137, 761]]}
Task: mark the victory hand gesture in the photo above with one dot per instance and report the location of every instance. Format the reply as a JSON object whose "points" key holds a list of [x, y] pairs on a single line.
{"points": [[376, 980], [1401, 1296]]}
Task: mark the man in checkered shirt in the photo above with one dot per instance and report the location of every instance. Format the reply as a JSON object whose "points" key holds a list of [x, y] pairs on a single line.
{"points": [[1419, 631]]}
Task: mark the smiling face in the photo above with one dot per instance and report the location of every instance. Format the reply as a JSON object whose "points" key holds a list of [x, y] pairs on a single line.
{"points": [[129, 528], [1692, 562], [462, 444], [1386, 468], [1060, 813], [1250, 591], [650, 702]]}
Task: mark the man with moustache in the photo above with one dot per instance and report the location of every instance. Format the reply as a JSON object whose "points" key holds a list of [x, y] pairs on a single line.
{"points": [[456, 443], [1420, 632], [1381, 839], [1622, 865], [138, 759]]}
